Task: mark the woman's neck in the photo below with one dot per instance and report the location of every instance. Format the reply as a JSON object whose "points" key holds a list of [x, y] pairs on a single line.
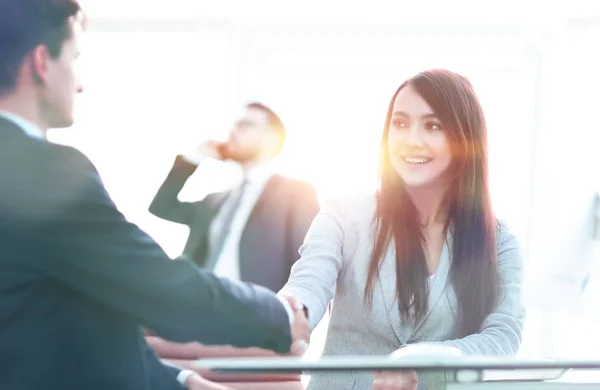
{"points": [[429, 202]]}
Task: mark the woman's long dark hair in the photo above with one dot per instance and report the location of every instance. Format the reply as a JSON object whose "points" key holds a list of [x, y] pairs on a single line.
{"points": [[473, 273]]}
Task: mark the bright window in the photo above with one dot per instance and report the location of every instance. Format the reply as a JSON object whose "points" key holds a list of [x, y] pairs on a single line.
{"points": [[148, 96]]}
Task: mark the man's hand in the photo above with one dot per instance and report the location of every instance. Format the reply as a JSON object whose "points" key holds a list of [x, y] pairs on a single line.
{"points": [[300, 327], [395, 380], [210, 148], [196, 382]]}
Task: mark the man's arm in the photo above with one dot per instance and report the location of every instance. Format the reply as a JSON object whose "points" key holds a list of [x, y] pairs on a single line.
{"points": [[187, 379], [165, 204], [88, 245]]}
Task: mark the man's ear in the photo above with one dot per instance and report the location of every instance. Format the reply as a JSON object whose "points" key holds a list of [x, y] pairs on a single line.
{"points": [[40, 58]]}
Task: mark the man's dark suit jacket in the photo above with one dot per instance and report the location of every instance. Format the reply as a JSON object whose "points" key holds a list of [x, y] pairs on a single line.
{"points": [[77, 281], [272, 236]]}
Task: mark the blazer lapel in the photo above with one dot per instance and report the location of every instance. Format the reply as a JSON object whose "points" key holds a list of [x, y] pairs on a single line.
{"points": [[200, 229], [266, 199], [387, 289], [387, 285], [439, 282]]}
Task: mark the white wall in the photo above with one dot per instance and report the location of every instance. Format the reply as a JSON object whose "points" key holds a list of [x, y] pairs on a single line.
{"points": [[565, 181], [149, 95]]}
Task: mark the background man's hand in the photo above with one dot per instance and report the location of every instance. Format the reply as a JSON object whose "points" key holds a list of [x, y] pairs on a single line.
{"points": [[212, 149]]}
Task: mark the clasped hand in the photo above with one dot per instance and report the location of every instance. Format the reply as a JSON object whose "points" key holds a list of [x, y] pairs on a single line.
{"points": [[300, 327], [300, 330]]}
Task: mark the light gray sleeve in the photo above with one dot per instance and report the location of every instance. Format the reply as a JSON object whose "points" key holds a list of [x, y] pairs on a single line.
{"points": [[501, 331], [313, 277]]}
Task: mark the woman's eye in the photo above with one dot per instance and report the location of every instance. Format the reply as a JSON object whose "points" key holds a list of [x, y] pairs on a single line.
{"points": [[397, 123], [433, 126]]}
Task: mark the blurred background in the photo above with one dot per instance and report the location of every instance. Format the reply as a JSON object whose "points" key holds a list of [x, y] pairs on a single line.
{"points": [[160, 77]]}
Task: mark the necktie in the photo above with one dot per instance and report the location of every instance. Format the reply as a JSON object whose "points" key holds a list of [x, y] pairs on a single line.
{"points": [[217, 246]]}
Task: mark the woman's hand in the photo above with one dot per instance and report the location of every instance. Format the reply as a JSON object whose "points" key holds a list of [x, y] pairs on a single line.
{"points": [[408, 380], [300, 327], [395, 380]]}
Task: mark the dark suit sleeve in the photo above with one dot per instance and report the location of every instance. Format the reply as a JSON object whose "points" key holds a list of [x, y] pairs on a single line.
{"points": [[172, 370], [163, 372], [88, 245], [165, 204], [304, 209]]}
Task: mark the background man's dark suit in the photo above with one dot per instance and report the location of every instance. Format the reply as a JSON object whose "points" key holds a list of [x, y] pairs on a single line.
{"points": [[273, 234], [77, 281]]}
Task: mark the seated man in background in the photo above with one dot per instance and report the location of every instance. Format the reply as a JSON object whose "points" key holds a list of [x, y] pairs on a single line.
{"points": [[253, 232], [77, 280]]}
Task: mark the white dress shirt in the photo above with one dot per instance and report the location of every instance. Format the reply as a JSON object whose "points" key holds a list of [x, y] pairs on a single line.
{"points": [[227, 264]]}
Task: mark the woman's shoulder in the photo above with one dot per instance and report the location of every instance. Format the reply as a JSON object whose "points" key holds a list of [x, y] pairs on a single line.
{"points": [[351, 208], [504, 232], [507, 243]]}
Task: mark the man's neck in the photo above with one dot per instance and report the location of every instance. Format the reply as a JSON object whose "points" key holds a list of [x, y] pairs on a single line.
{"points": [[248, 166], [23, 108]]}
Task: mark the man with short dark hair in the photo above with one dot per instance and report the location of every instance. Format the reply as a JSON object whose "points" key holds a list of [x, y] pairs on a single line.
{"points": [[77, 281], [253, 232]]}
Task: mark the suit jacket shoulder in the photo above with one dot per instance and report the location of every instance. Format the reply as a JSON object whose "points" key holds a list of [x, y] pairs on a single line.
{"points": [[42, 180]]}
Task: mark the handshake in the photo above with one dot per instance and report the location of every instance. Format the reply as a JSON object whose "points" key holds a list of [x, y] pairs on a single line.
{"points": [[300, 327], [300, 331]]}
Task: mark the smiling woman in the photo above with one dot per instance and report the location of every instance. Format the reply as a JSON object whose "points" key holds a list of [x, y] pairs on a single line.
{"points": [[434, 185], [418, 145], [424, 256]]}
